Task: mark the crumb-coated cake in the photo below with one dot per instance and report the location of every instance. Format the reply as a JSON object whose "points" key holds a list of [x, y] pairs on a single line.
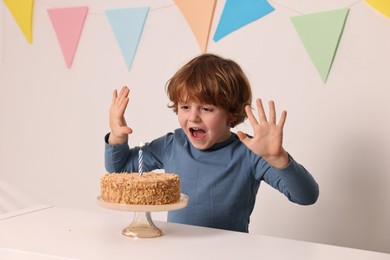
{"points": [[150, 188]]}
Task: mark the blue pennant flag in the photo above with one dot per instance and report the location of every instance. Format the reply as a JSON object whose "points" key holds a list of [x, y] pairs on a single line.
{"points": [[127, 25], [238, 13]]}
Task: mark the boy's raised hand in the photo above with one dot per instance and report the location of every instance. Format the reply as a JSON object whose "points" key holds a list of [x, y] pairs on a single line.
{"points": [[119, 129], [267, 140]]}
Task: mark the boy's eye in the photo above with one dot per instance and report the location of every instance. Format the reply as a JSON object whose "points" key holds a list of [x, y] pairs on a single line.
{"points": [[184, 107], [207, 109]]}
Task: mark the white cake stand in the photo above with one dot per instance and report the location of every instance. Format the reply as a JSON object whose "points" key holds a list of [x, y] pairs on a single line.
{"points": [[142, 225]]}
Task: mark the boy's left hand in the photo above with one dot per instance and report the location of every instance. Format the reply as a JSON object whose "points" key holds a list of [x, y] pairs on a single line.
{"points": [[268, 136]]}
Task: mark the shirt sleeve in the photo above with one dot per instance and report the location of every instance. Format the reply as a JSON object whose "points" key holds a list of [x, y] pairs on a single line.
{"points": [[117, 157], [294, 181]]}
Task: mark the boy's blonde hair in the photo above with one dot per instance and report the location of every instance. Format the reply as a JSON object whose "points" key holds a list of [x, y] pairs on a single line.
{"points": [[213, 80]]}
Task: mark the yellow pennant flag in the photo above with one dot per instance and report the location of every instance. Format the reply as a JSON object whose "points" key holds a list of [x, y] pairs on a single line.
{"points": [[382, 6], [22, 11]]}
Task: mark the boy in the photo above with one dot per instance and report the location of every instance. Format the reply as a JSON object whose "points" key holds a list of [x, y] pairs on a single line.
{"points": [[220, 171]]}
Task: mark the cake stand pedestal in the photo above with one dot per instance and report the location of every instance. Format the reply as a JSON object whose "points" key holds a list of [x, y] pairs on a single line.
{"points": [[142, 225]]}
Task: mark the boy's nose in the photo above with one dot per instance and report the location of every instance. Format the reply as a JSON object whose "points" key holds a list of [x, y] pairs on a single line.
{"points": [[194, 115]]}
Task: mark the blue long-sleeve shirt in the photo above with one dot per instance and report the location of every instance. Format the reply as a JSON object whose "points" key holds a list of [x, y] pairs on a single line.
{"points": [[221, 182]]}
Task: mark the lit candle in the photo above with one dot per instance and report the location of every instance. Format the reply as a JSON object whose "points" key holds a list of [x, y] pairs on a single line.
{"points": [[140, 160]]}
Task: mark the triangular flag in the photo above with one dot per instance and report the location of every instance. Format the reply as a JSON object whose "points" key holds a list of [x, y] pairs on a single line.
{"points": [[127, 25], [22, 11], [199, 15], [320, 34], [68, 24], [382, 6], [238, 13]]}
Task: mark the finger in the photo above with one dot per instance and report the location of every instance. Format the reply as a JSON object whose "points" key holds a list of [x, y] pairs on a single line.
{"points": [[123, 89], [118, 96], [123, 93], [123, 105], [123, 96], [243, 137], [260, 110], [250, 116], [114, 97], [272, 112], [282, 119], [126, 130]]}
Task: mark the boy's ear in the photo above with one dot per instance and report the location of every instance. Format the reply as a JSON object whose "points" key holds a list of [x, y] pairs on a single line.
{"points": [[230, 120]]}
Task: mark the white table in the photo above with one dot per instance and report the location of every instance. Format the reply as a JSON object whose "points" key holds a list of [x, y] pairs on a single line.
{"points": [[45, 232]]}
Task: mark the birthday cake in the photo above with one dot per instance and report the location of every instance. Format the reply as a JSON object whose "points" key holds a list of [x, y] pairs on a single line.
{"points": [[150, 188]]}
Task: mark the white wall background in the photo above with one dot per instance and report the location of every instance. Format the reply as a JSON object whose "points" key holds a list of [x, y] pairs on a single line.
{"points": [[53, 119]]}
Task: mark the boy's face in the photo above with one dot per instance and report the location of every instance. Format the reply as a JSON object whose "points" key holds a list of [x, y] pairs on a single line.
{"points": [[204, 125]]}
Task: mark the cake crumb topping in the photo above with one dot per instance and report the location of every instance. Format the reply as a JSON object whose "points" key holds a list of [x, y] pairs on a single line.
{"points": [[150, 188]]}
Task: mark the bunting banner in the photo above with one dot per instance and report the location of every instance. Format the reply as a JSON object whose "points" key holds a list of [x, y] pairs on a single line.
{"points": [[382, 6], [199, 15], [68, 24], [320, 33], [22, 11], [238, 13], [127, 25]]}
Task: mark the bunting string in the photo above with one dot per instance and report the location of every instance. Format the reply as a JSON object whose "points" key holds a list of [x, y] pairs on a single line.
{"points": [[46, 5], [199, 16], [276, 3]]}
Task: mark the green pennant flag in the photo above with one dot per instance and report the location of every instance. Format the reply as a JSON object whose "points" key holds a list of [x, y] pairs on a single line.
{"points": [[320, 34]]}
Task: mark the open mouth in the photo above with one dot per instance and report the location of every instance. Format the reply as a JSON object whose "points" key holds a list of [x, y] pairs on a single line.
{"points": [[197, 132]]}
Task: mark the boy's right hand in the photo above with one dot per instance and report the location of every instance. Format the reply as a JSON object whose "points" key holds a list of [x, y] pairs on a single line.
{"points": [[119, 129]]}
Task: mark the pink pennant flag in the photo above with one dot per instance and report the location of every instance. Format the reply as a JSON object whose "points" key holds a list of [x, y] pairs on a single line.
{"points": [[68, 24]]}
